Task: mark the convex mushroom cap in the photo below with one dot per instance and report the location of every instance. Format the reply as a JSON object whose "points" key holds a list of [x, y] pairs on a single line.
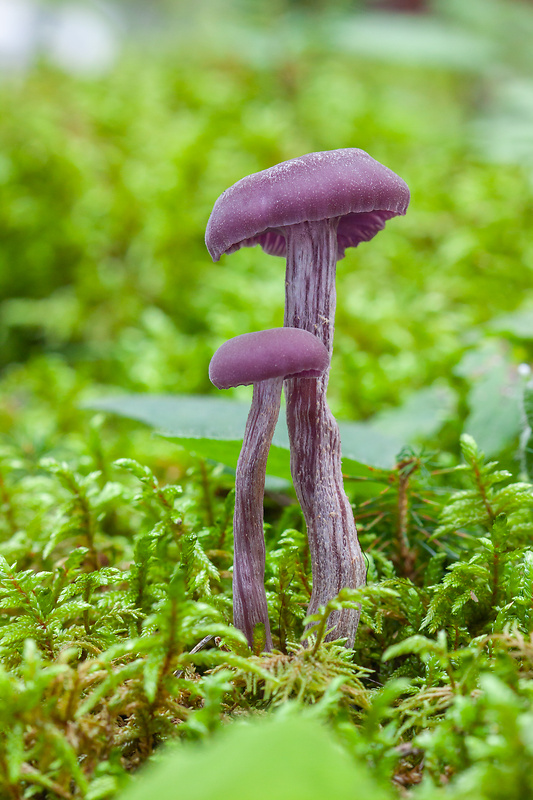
{"points": [[347, 184], [263, 355]]}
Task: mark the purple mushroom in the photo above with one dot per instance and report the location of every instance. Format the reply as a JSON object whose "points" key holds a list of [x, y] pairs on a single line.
{"points": [[311, 209], [264, 359]]}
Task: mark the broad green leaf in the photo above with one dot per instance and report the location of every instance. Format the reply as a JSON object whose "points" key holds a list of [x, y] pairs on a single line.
{"points": [[181, 416], [421, 40], [494, 420], [421, 416], [212, 427], [285, 759], [518, 324], [363, 443]]}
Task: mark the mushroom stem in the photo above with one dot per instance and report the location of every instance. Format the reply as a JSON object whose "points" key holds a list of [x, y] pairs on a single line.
{"points": [[249, 596], [336, 556]]}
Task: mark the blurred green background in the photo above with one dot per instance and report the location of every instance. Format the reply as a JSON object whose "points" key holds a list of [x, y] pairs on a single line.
{"points": [[120, 124]]}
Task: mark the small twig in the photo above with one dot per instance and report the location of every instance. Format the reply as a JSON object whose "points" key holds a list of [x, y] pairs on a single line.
{"points": [[202, 644], [405, 556]]}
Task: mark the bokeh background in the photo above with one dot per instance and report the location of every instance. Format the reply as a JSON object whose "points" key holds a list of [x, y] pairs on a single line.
{"points": [[121, 123]]}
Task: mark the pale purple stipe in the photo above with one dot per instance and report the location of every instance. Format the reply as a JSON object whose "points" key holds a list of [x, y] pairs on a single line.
{"points": [[264, 359]]}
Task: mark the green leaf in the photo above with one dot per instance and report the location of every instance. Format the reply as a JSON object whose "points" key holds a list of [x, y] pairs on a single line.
{"points": [[415, 40], [181, 416], [494, 400], [213, 427], [420, 417], [363, 444], [494, 419], [286, 759], [517, 324]]}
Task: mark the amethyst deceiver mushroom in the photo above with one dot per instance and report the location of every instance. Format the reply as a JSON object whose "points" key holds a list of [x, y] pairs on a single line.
{"points": [[264, 359], [311, 209]]}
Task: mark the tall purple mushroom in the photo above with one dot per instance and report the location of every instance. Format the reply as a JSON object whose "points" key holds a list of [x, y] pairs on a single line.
{"points": [[311, 209], [264, 359]]}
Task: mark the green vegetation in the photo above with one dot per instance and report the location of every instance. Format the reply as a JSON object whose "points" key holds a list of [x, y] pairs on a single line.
{"points": [[116, 644]]}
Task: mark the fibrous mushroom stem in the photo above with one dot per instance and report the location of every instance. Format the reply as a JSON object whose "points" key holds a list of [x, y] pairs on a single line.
{"points": [[249, 597], [336, 557]]}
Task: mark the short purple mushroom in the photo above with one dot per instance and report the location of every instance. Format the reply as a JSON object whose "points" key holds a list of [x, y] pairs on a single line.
{"points": [[264, 359], [311, 209]]}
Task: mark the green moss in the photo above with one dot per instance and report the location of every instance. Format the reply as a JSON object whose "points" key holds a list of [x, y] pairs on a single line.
{"points": [[116, 546]]}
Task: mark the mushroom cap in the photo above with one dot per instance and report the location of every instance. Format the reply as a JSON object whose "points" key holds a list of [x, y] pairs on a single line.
{"points": [[273, 353], [347, 184]]}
